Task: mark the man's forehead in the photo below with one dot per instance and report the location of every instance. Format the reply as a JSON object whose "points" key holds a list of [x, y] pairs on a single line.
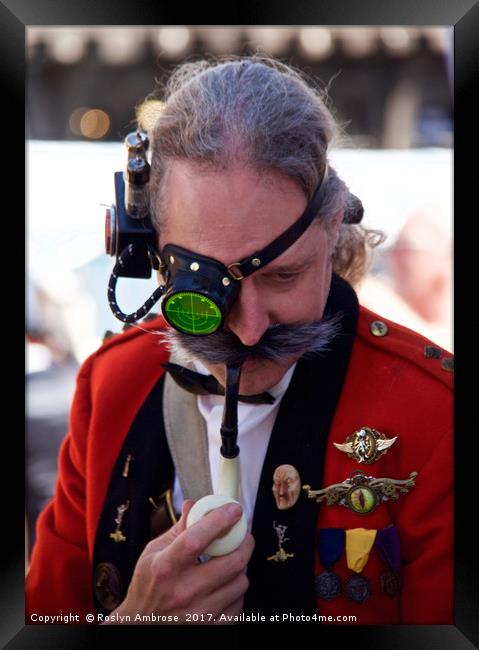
{"points": [[191, 171], [231, 214]]}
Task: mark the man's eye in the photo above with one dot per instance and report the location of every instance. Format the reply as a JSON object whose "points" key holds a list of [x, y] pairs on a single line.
{"points": [[284, 277]]}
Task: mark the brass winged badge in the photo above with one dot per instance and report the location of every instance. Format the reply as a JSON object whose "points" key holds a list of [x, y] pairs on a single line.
{"points": [[366, 445]]}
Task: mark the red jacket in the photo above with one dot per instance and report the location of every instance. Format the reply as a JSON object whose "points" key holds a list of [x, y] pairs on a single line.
{"points": [[390, 386]]}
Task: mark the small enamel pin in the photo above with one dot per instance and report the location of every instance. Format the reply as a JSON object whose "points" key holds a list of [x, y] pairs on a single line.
{"points": [[280, 555], [366, 445], [118, 535], [286, 486], [360, 493], [126, 467]]}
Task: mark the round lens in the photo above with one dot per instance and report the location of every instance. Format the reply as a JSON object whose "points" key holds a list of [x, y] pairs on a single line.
{"points": [[193, 313]]}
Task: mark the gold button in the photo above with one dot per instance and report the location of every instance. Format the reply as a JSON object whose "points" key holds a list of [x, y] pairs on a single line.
{"points": [[108, 585], [378, 328]]}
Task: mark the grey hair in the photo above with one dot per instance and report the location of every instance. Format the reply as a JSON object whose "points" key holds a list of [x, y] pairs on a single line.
{"points": [[278, 342], [260, 113]]}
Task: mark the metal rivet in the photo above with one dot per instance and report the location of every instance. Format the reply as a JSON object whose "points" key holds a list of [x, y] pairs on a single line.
{"points": [[226, 282], [378, 328], [172, 259], [194, 266], [255, 261], [448, 364], [431, 352]]}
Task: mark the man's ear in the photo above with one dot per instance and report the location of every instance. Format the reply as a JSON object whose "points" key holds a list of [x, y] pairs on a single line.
{"points": [[336, 222]]}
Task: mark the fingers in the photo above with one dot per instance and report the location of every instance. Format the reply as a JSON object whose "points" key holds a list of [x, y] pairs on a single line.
{"points": [[222, 583], [227, 616], [195, 539], [186, 507], [163, 541], [170, 581], [220, 570], [227, 598], [220, 607]]}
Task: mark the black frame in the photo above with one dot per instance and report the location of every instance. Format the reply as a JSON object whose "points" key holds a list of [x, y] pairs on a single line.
{"points": [[15, 16]]}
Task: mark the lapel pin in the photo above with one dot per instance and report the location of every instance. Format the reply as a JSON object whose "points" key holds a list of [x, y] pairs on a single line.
{"points": [[286, 486], [360, 493], [118, 535], [366, 445], [126, 467], [280, 555]]}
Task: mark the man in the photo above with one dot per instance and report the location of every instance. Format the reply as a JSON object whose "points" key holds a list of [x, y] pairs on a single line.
{"points": [[239, 153], [417, 289]]}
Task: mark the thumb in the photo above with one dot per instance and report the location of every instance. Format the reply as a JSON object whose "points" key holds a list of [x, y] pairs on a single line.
{"points": [[163, 541], [180, 525]]}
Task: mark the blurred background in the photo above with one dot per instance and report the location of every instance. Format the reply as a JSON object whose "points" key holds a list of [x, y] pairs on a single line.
{"points": [[390, 88]]}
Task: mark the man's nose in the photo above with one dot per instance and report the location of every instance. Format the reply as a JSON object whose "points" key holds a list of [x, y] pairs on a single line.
{"points": [[248, 318]]}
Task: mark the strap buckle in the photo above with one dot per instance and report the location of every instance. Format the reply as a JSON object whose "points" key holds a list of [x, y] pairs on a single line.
{"points": [[156, 262], [237, 275]]}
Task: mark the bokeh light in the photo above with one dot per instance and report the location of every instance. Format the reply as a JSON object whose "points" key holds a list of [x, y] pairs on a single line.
{"points": [[173, 41], [95, 124], [148, 112]]}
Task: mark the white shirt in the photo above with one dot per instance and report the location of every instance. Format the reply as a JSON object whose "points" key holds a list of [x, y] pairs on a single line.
{"points": [[255, 424]]}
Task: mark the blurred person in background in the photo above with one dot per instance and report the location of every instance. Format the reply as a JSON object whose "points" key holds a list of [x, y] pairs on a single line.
{"points": [[359, 406], [51, 371], [416, 288]]}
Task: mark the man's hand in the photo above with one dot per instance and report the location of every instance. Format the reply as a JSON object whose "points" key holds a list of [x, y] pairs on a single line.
{"points": [[169, 580]]}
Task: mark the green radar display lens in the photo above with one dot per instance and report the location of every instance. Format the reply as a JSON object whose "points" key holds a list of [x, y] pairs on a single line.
{"points": [[192, 313]]}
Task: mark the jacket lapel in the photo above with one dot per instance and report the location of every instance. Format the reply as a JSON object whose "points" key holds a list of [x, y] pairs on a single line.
{"points": [[142, 472], [187, 438], [285, 582]]}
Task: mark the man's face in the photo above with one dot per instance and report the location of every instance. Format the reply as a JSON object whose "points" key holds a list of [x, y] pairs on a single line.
{"points": [[228, 215]]}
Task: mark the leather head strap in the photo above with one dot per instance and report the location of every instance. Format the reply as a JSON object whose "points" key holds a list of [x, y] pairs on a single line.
{"points": [[249, 265]]}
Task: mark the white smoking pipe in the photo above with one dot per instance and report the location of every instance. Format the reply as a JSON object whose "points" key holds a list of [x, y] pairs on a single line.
{"points": [[229, 472]]}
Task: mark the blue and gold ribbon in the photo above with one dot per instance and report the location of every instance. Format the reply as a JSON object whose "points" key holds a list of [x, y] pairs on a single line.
{"points": [[331, 543], [359, 542]]}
